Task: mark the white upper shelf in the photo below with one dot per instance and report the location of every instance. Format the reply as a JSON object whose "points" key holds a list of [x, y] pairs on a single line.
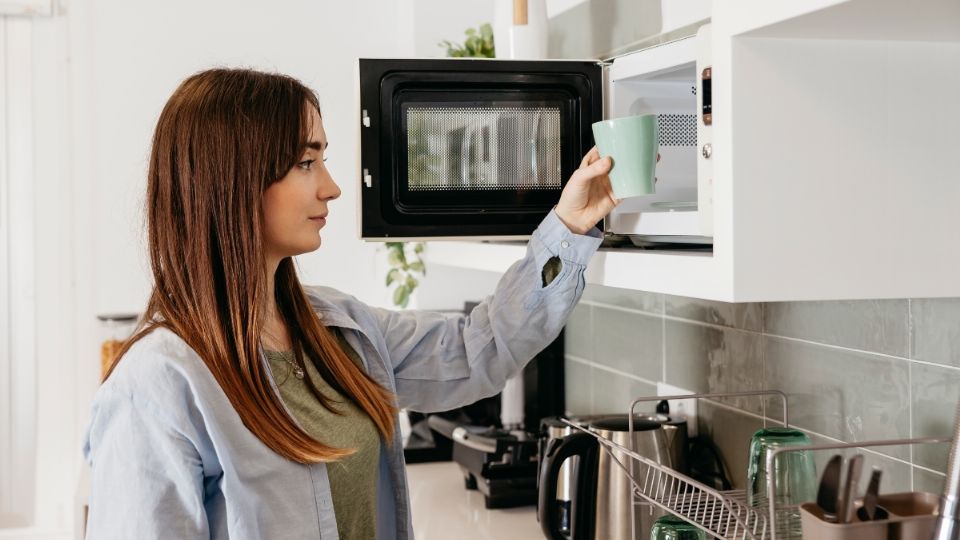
{"points": [[833, 172], [680, 273]]}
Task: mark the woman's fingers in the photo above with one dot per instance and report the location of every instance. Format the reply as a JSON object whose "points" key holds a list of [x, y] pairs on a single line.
{"points": [[600, 167], [591, 156]]}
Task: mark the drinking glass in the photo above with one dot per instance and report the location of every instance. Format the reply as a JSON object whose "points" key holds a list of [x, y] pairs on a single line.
{"points": [[794, 475], [670, 527]]}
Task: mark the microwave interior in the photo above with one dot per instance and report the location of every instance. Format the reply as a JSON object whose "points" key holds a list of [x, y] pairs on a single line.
{"points": [[470, 148], [673, 213], [503, 148]]}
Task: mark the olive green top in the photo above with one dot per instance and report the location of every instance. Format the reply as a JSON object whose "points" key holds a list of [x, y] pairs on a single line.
{"points": [[353, 479]]}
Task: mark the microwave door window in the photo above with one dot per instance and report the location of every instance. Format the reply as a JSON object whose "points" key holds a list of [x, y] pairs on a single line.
{"points": [[468, 148]]}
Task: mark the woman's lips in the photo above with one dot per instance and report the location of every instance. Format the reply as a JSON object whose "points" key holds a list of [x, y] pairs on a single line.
{"points": [[319, 219]]}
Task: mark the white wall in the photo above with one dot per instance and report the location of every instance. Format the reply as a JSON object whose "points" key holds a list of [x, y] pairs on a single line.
{"points": [[103, 70], [139, 52], [438, 20]]}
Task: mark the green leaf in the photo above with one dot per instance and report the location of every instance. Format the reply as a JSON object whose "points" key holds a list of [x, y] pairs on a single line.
{"points": [[417, 266], [418, 248], [486, 31], [470, 32], [396, 258], [393, 275], [401, 296], [411, 283]]}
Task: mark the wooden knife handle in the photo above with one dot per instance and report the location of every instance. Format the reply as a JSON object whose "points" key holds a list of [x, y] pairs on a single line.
{"points": [[519, 12]]}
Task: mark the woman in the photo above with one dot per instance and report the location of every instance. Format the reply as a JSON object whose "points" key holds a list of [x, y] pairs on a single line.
{"points": [[249, 407]]}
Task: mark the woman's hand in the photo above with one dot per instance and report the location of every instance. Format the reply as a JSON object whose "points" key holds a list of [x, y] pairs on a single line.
{"points": [[588, 197]]}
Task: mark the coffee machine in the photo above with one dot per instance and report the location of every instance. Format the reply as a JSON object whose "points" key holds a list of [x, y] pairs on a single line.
{"points": [[495, 441]]}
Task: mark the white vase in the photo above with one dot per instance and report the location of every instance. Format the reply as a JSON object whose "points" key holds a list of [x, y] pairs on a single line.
{"points": [[527, 41]]}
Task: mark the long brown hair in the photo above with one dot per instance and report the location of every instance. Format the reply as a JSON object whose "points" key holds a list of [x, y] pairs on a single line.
{"points": [[224, 136]]}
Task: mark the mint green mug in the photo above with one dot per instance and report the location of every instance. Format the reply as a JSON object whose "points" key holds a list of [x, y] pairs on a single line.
{"points": [[633, 143]]}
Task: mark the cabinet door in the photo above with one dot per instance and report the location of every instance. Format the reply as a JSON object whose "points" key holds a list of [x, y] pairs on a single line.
{"points": [[834, 143], [883, 20], [746, 15]]}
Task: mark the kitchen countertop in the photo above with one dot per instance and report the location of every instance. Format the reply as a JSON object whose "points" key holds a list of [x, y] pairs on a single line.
{"points": [[442, 508]]}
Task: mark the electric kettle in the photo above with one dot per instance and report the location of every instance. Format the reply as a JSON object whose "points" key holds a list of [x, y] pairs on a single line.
{"points": [[599, 490], [552, 430]]}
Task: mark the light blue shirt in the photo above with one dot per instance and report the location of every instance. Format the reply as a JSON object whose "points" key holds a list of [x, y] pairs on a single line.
{"points": [[171, 458]]}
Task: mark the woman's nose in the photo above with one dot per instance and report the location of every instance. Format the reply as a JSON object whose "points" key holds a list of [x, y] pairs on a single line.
{"points": [[328, 189]]}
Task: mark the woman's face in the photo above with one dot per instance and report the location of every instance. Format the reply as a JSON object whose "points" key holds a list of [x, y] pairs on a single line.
{"points": [[295, 207]]}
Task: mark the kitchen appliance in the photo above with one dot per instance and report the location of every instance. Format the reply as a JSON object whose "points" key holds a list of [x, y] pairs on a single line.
{"points": [[501, 464], [601, 492], [537, 392], [552, 430], [470, 147], [454, 148], [673, 81], [501, 461]]}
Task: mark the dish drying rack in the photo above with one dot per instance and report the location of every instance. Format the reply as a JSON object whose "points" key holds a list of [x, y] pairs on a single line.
{"points": [[725, 515]]}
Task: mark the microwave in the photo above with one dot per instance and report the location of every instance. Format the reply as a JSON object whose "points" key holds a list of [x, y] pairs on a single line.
{"points": [[481, 149]]}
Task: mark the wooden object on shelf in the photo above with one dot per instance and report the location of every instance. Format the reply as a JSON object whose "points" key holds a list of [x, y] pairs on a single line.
{"points": [[519, 12]]}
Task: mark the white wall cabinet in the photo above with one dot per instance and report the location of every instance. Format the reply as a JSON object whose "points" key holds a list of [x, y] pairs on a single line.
{"points": [[834, 168]]}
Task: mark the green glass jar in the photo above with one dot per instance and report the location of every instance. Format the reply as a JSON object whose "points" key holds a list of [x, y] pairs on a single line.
{"points": [[794, 476], [794, 472], [670, 527]]}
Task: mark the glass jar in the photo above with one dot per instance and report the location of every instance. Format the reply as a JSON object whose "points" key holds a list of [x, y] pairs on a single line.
{"points": [[115, 329]]}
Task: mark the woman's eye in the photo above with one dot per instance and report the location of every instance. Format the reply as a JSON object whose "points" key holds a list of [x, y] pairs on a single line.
{"points": [[306, 164]]}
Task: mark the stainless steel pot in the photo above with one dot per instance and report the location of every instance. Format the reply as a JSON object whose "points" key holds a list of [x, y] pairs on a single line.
{"points": [[601, 495]]}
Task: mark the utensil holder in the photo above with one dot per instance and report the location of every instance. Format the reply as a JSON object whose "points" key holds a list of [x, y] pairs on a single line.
{"points": [[911, 516], [916, 514]]}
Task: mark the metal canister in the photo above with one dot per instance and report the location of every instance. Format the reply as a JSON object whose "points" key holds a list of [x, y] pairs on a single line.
{"points": [[115, 329]]}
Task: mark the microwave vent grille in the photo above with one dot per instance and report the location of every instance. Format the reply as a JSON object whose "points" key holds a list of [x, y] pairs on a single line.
{"points": [[677, 129]]}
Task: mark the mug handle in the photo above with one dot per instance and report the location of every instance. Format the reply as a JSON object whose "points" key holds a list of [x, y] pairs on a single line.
{"points": [[582, 508]]}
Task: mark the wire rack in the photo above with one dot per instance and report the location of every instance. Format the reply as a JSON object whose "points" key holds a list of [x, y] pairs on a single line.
{"points": [[725, 515]]}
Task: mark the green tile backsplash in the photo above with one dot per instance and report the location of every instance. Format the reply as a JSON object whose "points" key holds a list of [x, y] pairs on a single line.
{"points": [[839, 393], [714, 359], [880, 326], [853, 370], [936, 330]]}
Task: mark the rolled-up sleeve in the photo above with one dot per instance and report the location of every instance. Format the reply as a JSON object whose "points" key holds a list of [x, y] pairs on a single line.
{"points": [[147, 477], [443, 361]]}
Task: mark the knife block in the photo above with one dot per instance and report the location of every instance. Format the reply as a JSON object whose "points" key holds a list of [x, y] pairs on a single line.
{"points": [[912, 515]]}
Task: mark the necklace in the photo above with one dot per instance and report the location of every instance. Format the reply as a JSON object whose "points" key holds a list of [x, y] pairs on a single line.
{"points": [[297, 370]]}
